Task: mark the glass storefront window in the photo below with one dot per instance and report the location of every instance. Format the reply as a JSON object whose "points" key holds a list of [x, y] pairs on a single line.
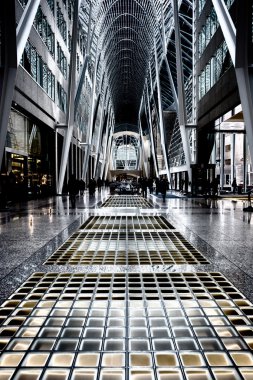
{"points": [[17, 133]]}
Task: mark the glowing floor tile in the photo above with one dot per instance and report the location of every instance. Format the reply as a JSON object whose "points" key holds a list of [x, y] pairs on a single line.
{"points": [[126, 326], [127, 201], [122, 222], [123, 247]]}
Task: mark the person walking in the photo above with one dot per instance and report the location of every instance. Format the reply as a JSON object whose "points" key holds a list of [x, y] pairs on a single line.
{"points": [[163, 188], [92, 187], [150, 185], [99, 184], [234, 185], [73, 189], [144, 186]]}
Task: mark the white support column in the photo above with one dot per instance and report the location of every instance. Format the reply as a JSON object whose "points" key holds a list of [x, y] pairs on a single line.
{"points": [[232, 152], [222, 159], [161, 124], [172, 85], [144, 157], [108, 154], [70, 117], [151, 133], [24, 26], [91, 119], [108, 126], [227, 26], [194, 69], [98, 142], [180, 90]]}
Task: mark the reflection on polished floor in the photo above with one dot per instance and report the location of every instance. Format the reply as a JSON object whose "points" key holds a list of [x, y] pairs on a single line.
{"points": [[116, 301]]}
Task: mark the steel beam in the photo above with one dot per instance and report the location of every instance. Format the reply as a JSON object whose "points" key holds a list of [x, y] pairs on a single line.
{"points": [[144, 157], [108, 127], [151, 133], [70, 117], [24, 26], [173, 88], [98, 142], [91, 119], [109, 154], [180, 90], [227, 26], [85, 62], [161, 123]]}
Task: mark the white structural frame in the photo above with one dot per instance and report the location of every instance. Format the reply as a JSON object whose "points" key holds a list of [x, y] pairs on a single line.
{"points": [[91, 120], [180, 89], [238, 57], [70, 117], [25, 25], [10, 70], [147, 104], [144, 157], [98, 142], [108, 128], [161, 123]]}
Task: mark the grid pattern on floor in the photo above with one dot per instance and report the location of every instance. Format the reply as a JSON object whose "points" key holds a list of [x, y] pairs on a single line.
{"points": [[112, 247], [126, 326], [126, 201], [123, 222]]}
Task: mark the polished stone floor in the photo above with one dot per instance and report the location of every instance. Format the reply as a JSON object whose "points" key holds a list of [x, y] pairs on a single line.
{"points": [[126, 288]]}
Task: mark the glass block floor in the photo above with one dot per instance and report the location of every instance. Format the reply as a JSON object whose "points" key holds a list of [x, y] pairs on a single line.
{"points": [[110, 247], [127, 201], [137, 326], [123, 222]]}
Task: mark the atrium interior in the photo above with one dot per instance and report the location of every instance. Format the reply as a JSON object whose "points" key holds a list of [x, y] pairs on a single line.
{"points": [[126, 148]]}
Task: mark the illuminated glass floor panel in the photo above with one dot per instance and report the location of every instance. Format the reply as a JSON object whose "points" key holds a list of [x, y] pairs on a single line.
{"points": [[127, 222], [185, 326], [126, 248], [126, 201]]}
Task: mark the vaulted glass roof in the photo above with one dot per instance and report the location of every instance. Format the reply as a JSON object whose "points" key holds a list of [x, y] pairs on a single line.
{"points": [[124, 35]]}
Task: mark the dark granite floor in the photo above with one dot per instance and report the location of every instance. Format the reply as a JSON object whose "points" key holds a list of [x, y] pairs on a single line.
{"points": [[128, 321], [30, 232]]}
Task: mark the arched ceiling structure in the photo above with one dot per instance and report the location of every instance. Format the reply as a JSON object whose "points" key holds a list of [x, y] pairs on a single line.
{"points": [[124, 33]]}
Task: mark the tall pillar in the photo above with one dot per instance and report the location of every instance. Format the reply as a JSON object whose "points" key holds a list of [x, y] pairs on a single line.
{"points": [[161, 123], [151, 132], [70, 117], [91, 119], [180, 90], [222, 159], [108, 128], [232, 152]]}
